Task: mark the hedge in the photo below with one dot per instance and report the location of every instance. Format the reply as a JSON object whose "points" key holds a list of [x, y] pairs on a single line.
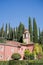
{"points": [[26, 62], [4, 63], [22, 62]]}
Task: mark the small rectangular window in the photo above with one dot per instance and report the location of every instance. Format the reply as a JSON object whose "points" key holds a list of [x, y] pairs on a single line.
{"points": [[25, 35]]}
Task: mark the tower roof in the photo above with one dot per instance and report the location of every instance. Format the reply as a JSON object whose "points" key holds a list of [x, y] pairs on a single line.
{"points": [[26, 31]]}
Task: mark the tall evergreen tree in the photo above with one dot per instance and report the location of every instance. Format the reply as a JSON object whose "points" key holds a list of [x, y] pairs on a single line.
{"points": [[20, 32], [10, 30], [6, 31], [2, 30], [11, 34], [15, 34], [0, 33], [39, 36], [16, 31], [35, 33], [30, 28]]}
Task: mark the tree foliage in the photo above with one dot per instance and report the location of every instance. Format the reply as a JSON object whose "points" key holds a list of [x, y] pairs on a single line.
{"points": [[27, 54], [30, 28], [37, 50], [17, 33], [2, 30], [41, 37], [35, 33], [6, 31], [20, 32], [16, 56]]}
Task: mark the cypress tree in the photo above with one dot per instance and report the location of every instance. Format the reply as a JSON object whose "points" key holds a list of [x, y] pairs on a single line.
{"points": [[11, 34], [6, 31], [2, 30], [20, 32], [10, 30], [30, 28], [15, 34], [39, 36], [35, 33]]}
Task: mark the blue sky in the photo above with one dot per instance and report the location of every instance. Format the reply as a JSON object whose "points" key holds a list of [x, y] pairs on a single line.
{"points": [[14, 11]]}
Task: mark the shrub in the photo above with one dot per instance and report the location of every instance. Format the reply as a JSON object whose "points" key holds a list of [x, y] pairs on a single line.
{"points": [[2, 40], [26, 54], [37, 50], [31, 56], [16, 56], [42, 47], [40, 56]]}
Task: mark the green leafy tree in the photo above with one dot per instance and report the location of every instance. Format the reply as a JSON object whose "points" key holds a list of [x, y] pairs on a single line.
{"points": [[20, 32], [15, 31], [30, 28], [31, 56], [10, 31], [2, 31], [42, 47], [16, 56], [41, 38], [14, 34], [37, 50], [10, 35], [6, 31], [35, 33], [27, 54]]}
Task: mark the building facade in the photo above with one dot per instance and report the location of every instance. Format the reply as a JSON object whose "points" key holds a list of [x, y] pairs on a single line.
{"points": [[10, 47]]}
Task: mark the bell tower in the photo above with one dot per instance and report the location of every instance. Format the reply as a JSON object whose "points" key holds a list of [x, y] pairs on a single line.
{"points": [[26, 36]]}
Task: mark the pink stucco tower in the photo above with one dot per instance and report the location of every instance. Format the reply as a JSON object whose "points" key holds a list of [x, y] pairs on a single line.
{"points": [[26, 36]]}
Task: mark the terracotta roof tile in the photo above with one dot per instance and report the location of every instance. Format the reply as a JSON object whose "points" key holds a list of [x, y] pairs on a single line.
{"points": [[13, 43]]}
